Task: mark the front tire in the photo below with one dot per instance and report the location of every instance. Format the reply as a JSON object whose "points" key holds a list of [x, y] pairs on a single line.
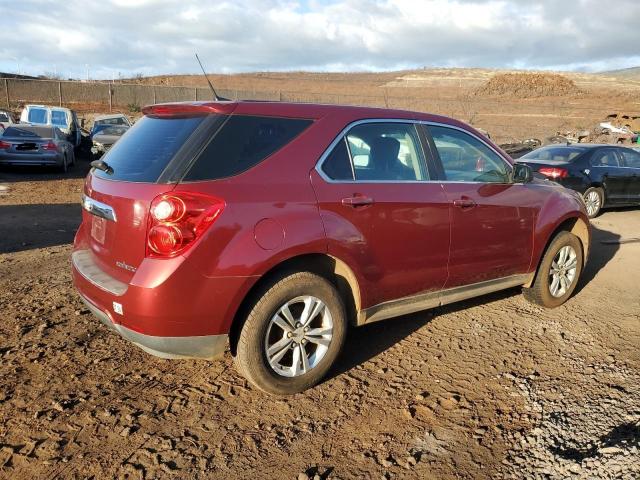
{"points": [[558, 273], [593, 201], [293, 334]]}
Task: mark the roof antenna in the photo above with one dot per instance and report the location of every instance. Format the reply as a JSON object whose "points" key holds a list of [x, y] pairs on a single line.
{"points": [[215, 95]]}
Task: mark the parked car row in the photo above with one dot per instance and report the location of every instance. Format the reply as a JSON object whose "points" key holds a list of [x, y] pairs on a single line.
{"points": [[57, 129]]}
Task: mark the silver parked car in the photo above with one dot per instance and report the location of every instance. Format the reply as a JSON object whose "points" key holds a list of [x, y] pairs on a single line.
{"points": [[35, 145], [104, 139]]}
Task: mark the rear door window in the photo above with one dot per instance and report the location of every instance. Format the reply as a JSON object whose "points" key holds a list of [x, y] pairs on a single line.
{"points": [[631, 158], [389, 152], [37, 115], [605, 158], [143, 153], [243, 142]]}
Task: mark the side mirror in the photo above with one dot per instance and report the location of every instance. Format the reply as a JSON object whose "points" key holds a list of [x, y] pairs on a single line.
{"points": [[522, 173]]}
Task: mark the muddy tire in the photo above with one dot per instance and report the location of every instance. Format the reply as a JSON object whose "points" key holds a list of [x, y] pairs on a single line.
{"points": [[558, 273], [593, 200], [293, 334]]}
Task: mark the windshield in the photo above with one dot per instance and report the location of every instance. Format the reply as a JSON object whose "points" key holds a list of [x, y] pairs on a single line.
{"points": [[554, 154], [111, 121]]}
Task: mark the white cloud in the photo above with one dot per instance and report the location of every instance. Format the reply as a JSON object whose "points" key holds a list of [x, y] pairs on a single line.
{"points": [[160, 36]]}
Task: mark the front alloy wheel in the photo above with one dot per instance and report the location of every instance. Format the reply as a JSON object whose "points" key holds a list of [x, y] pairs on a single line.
{"points": [[558, 272], [563, 271]]}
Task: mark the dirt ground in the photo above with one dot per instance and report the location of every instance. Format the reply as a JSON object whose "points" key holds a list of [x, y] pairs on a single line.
{"points": [[489, 388]]}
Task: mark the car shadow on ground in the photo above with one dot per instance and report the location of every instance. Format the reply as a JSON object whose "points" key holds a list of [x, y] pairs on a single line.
{"points": [[24, 173], [369, 341], [25, 227]]}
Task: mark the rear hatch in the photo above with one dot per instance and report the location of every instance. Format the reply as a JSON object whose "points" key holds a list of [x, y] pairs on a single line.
{"points": [[146, 162]]}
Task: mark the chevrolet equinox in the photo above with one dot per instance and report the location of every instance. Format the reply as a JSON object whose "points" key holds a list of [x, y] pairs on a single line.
{"points": [[270, 227]]}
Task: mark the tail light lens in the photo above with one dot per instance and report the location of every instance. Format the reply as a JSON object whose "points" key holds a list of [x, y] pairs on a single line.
{"points": [[553, 172], [50, 146], [177, 220], [4, 145]]}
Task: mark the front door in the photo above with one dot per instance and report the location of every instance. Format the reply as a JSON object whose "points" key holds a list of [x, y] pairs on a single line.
{"points": [[382, 214], [492, 219]]}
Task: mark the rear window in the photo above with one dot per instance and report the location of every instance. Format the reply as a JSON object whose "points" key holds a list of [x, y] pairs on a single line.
{"points": [[27, 131], [554, 154], [37, 115], [58, 118], [111, 121], [243, 142], [147, 148], [4, 117]]}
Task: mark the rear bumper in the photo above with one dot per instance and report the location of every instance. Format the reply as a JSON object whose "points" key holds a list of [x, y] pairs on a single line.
{"points": [[166, 309], [30, 159], [206, 346]]}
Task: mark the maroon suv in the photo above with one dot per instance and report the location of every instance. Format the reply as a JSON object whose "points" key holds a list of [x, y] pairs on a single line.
{"points": [[272, 226]]}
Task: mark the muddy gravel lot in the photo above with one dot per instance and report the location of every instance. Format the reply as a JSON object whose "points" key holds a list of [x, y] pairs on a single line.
{"points": [[489, 388]]}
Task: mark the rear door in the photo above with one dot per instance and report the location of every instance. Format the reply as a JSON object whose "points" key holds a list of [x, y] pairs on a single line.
{"points": [[492, 219], [606, 164], [381, 211], [631, 161]]}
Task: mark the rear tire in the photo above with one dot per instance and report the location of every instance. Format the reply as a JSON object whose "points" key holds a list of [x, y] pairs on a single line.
{"points": [[64, 168], [282, 351], [593, 200], [558, 273]]}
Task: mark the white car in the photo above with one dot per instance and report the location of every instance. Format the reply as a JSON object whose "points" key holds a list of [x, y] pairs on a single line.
{"points": [[5, 119], [63, 118]]}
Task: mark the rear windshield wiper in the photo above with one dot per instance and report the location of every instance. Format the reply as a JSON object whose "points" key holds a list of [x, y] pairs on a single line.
{"points": [[102, 165]]}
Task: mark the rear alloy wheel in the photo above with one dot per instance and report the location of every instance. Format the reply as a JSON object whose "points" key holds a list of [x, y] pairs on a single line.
{"points": [[593, 200], [298, 336], [558, 273], [293, 334]]}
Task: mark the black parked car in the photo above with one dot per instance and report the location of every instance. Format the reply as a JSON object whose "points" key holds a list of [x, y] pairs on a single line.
{"points": [[605, 175]]}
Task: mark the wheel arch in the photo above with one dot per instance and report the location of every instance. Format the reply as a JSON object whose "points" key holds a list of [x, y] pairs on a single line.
{"points": [[331, 268], [575, 225]]}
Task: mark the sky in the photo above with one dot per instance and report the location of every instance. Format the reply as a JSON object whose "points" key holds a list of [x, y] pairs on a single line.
{"points": [[122, 38]]}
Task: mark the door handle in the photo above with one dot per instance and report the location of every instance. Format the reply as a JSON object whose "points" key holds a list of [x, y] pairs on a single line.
{"points": [[464, 203], [357, 201]]}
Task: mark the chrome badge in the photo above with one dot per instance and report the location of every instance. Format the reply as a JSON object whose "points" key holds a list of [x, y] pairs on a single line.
{"points": [[126, 267]]}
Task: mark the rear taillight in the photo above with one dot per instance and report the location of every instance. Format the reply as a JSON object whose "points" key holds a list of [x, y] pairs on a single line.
{"points": [[554, 172], [4, 145], [50, 146], [177, 220]]}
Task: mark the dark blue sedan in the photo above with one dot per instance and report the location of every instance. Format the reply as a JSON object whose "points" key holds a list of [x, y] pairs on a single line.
{"points": [[605, 175]]}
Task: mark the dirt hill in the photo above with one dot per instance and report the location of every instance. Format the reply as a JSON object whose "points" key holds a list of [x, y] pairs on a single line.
{"points": [[529, 85]]}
